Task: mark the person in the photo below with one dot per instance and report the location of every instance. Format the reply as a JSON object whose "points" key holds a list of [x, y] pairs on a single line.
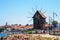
{"points": [[36, 31], [43, 31]]}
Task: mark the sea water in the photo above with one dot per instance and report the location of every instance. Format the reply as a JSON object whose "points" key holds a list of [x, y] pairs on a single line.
{"points": [[2, 35]]}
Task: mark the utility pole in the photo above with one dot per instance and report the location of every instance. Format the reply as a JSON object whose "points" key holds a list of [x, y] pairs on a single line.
{"points": [[50, 20], [54, 14], [49, 24]]}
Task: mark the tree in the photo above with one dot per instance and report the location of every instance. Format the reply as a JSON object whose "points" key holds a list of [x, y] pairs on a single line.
{"points": [[54, 22], [2, 29], [16, 24], [12, 24], [19, 24], [27, 24], [46, 22]]}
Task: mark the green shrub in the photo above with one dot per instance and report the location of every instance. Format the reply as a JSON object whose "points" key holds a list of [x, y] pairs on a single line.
{"points": [[1, 38], [2, 29], [30, 32]]}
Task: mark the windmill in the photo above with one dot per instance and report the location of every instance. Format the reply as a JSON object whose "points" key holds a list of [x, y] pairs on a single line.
{"points": [[34, 10], [40, 14]]}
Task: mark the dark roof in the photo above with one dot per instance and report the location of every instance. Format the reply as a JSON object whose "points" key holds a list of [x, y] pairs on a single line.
{"points": [[41, 14]]}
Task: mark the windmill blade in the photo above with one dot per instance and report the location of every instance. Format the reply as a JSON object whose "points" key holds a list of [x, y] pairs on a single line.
{"points": [[29, 17], [41, 9], [33, 10], [30, 13], [44, 12], [36, 8], [30, 20]]}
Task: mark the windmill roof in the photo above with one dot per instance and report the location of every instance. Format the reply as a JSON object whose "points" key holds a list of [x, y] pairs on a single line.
{"points": [[41, 14]]}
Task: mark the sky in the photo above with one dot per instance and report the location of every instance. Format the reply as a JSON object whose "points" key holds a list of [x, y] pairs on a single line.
{"points": [[21, 11]]}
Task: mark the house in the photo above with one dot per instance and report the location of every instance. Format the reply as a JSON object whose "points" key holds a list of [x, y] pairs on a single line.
{"points": [[39, 20]]}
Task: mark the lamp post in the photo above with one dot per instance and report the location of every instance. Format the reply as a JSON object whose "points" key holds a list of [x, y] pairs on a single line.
{"points": [[54, 14], [49, 23]]}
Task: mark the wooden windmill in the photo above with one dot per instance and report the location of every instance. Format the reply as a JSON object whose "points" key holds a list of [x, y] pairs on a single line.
{"points": [[39, 20]]}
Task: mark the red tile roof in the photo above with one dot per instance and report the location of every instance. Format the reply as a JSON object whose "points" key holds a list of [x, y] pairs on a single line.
{"points": [[27, 27], [21, 27], [48, 25]]}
